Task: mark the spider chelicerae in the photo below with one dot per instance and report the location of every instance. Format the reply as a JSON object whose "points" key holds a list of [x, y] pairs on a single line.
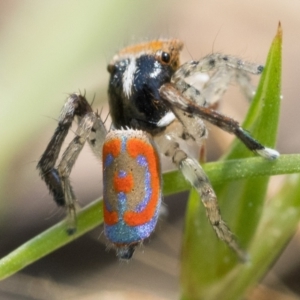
{"points": [[152, 106]]}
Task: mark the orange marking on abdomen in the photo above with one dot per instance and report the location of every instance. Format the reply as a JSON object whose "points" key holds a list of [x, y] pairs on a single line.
{"points": [[112, 147], [123, 184], [137, 147], [110, 217]]}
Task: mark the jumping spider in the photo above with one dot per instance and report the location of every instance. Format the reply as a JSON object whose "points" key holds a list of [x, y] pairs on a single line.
{"points": [[151, 106]]}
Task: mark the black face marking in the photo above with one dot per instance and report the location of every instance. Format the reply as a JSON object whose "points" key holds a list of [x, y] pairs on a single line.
{"points": [[141, 107]]}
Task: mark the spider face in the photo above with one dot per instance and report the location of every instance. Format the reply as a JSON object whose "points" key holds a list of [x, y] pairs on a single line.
{"points": [[152, 105], [136, 74]]}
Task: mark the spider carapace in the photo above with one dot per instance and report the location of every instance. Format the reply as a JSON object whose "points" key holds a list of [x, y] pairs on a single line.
{"points": [[152, 106]]}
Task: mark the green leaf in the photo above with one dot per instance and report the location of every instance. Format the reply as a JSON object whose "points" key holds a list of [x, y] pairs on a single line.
{"points": [[208, 266]]}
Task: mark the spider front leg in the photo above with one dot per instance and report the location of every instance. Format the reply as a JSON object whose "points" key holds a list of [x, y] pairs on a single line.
{"points": [[57, 179], [180, 104], [225, 69], [194, 173], [190, 115]]}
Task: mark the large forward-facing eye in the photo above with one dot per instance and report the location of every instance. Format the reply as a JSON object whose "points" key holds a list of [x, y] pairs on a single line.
{"points": [[165, 57], [111, 68]]}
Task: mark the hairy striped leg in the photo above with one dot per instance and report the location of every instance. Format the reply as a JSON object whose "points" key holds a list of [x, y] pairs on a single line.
{"points": [[194, 173], [180, 105], [90, 128], [191, 116]]}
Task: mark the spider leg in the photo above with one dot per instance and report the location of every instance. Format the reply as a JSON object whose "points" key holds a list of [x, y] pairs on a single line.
{"points": [[244, 81], [211, 92], [57, 179], [194, 173], [214, 61], [225, 69], [217, 85], [179, 103], [67, 163]]}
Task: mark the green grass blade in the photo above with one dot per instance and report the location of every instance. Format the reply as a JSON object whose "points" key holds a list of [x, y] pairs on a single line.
{"points": [[277, 225], [262, 121], [206, 262], [50, 240], [263, 114], [91, 216]]}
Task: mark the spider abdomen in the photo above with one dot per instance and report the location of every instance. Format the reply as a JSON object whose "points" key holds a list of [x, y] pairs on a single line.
{"points": [[132, 189]]}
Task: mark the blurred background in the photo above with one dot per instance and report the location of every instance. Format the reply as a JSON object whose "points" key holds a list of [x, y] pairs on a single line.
{"points": [[52, 48]]}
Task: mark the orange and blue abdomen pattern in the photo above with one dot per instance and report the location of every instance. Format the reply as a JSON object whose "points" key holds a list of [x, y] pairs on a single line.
{"points": [[132, 186]]}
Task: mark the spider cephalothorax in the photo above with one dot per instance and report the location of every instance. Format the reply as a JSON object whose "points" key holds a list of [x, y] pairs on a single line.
{"points": [[152, 105], [136, 74]]}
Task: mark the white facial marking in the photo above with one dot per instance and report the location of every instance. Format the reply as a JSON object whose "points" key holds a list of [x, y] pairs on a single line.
{"points": [[128, 77], [156, 71]]}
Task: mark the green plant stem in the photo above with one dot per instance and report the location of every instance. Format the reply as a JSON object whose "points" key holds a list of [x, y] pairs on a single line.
{"points": [[91, 216]]}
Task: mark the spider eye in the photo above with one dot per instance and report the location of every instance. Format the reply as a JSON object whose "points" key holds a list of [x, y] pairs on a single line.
{"points": [[110, 68], [165, 57]]}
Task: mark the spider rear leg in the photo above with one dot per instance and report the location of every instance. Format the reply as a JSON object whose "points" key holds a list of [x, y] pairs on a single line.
{"points": [[179, 103], [194, 173], [57, 179], [67, 162]]}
